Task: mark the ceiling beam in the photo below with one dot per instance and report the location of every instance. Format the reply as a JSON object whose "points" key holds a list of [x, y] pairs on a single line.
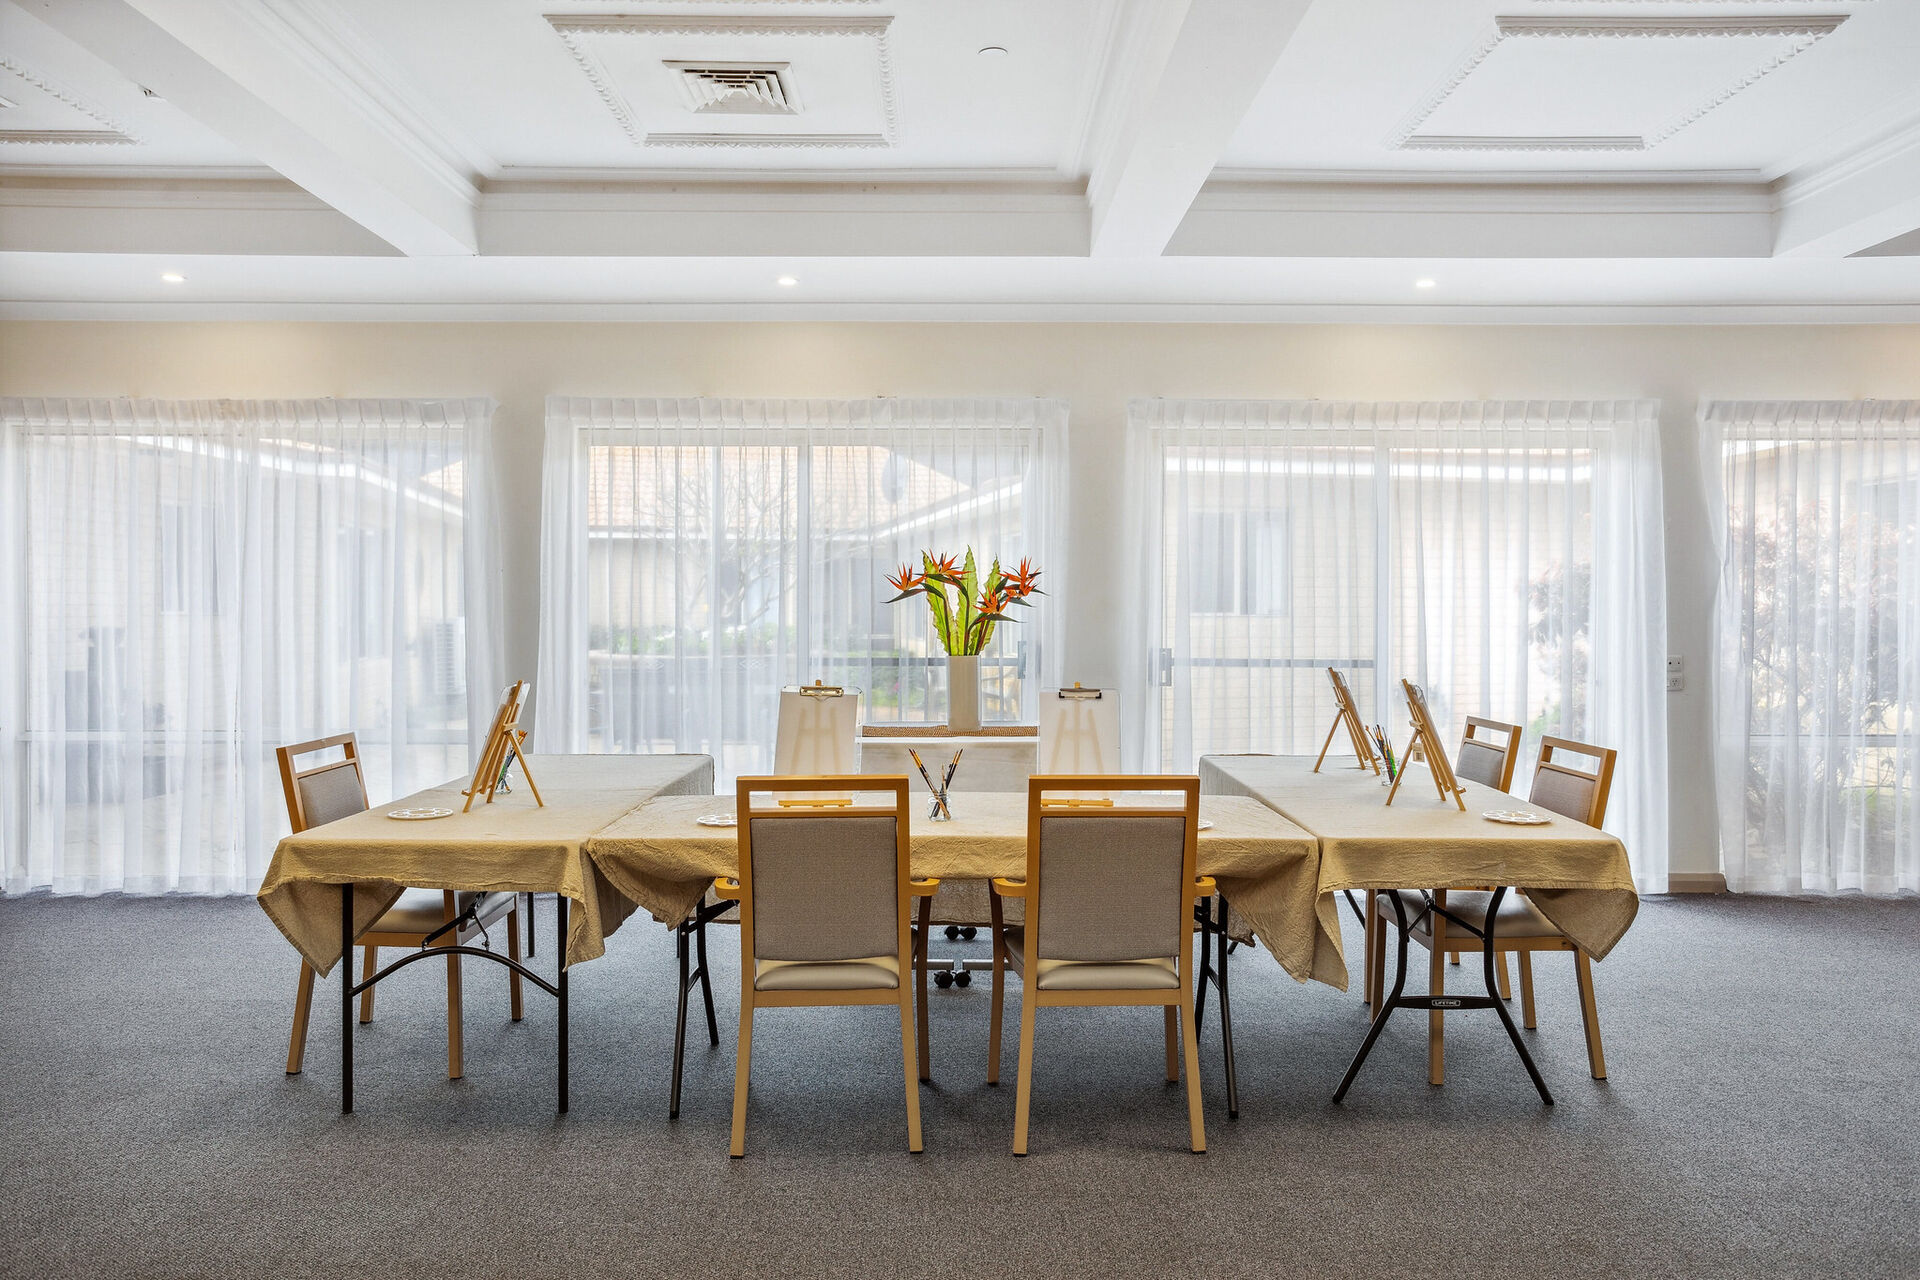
{"points": [[233, 68], [1198, 66], [1868, 197]]}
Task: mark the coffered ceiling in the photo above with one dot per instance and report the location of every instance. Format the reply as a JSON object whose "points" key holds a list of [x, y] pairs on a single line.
{"points": [[1106, 158]]}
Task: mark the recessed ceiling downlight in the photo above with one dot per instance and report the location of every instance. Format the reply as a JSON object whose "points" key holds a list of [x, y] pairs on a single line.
{"points": [[787, 282], [1423, 283], [994, 51], [173, 277]]}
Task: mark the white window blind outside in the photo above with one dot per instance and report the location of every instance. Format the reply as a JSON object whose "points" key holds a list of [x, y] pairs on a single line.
{"points": [[1452, 544], [1817, 629], [197, 582], [697, 555]]}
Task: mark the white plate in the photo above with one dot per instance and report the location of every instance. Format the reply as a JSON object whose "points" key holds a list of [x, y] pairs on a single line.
{"points": [[718, 819], [418, 815], [1517, 817]]}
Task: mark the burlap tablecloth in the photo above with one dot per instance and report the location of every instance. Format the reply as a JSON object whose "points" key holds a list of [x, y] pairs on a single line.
{"points": [[510, 845], [1576, 875], [660, 857]]}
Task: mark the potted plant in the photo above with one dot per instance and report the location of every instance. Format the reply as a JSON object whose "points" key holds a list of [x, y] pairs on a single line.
{"points": [[965, 611]]}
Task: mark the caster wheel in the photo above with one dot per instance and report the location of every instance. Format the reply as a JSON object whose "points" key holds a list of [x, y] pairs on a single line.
{"points": [[943, 979], [964, 978], [967, 932], [953, 932]]}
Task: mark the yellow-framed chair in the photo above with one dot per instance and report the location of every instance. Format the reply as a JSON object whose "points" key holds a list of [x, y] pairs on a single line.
{"points": [[1110, 893], [338, 789], [824, 896]]}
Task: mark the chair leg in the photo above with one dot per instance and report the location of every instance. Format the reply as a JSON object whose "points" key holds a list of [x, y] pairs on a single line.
{"points": [[913, 1072], [743, 1056], [1173, 1044], [1506, 987], [302, 1009], [513, 954], [456, 1021], [367, 967], [1023, 1092], [1590, 1014], [1196, 1122], [1526, 989], [1453, 958], [999, 991]]}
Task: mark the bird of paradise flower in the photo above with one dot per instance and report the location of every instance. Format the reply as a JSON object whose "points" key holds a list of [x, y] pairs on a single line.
{"points": [[965, 609]]}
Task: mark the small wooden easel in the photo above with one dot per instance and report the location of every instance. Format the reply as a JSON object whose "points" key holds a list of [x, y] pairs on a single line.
{"points": [[1425, 747], [1348, 714], [506, 743]]}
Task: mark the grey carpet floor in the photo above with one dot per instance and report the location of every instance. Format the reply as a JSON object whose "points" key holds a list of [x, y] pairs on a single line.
{"points": [[1763, 1119]]}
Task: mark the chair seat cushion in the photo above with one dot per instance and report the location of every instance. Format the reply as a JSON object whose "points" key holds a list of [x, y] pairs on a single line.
{"points": [[882, 972], [1518, 917], [424, 910], [1094, 975]]}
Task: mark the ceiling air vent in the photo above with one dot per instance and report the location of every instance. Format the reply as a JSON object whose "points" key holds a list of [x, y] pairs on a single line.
{"points": [[736, 88]]}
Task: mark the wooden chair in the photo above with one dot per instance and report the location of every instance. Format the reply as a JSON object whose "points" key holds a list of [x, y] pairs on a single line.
{"points": [[338, 789], [1110, 894], [1572, 792], [1489, 759], [824, 896]]}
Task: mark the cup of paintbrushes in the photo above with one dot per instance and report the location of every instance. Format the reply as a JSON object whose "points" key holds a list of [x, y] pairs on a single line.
{"points": [[938, 811]]}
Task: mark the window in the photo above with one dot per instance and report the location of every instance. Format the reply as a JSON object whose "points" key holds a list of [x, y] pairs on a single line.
{"points": [[1453, 545], [1818, 632], [201, 581], [729, 548]]}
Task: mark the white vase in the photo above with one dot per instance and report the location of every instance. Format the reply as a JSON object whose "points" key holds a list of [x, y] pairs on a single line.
{"points": [[963, 693]]}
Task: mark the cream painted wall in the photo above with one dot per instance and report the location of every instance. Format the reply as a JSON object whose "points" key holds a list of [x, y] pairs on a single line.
{"points": [[1094, 367]]}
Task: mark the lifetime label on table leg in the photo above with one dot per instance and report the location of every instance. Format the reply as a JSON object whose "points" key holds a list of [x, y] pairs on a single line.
{"points": [[1444, 1002]]}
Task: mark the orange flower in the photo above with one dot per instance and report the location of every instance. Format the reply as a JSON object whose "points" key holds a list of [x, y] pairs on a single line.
{"points": [[941, 564], [906, 579], [1023, 581]]}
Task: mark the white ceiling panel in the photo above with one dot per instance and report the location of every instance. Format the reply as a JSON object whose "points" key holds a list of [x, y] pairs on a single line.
{"points": [[1744, 88], [62, 107]]}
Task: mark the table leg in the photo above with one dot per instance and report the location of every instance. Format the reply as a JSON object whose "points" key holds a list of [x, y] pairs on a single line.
{"points": [[1386, 1005], [1226, 1019], [561, 922], [1437, 986], [1370, 929], [346, 998], [1499, 1005]]}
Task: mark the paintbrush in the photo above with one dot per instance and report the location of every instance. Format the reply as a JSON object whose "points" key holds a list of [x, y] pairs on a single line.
{"points": [[927, 778]]}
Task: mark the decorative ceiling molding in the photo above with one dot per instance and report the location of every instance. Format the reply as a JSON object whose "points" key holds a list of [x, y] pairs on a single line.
{"points": [[805, 140], [109, 134], [1802, 30], [577, 30]]}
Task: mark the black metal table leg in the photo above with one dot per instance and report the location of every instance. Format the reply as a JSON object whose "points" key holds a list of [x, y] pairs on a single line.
{"points": [[346, 998], [1226, 1018], [1387, 1006], [1203, 912], [531, 913], [1500, 1006], [560, 920], [1398, 1000], [706, 980], [679, 1019]]}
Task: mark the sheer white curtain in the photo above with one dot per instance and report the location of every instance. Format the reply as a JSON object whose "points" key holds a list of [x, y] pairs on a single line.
{"points": [[196, 582], [1817, 630], [1508, 556], [696, 555]]}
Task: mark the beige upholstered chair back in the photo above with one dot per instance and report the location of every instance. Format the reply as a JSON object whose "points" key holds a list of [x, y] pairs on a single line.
{"points": [[324, 793], [823, 883], [1488, 752], [1570, 791], [1112, 884]]}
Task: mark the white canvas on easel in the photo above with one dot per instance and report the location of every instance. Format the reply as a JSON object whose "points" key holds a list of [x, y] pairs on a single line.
{"points": [[818, 731], [1079, 731]]}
